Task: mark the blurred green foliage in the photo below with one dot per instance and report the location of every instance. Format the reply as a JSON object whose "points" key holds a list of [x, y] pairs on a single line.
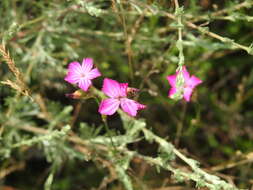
{"points": [[136, 42]]}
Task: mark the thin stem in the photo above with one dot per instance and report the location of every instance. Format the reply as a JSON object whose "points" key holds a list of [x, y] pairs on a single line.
{"points": [[104, 118], [180, 47], [6, 171], [76, 113], [180, 125], [127, 41], [30, 22], [176, 4], [222, 12], [109, 132]]}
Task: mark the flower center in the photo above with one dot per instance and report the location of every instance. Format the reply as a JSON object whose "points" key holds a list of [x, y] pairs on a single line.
{"points": [[187, 85], [82, 75], [120, 97]]}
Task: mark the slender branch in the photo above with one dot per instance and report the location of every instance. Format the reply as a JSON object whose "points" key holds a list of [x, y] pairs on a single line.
{"points": [[233, 8], [198, 175], [176, 4], [180, 124], [178, 13], [128, 49], [202, 175], [77, 110], [248, 159], [203, 30], [213, 35], [7, 171], [244, 4]]}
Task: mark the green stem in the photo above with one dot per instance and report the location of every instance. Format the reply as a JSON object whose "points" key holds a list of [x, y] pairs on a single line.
{"points": [[128, 45], [180, 47], [109, 133]]}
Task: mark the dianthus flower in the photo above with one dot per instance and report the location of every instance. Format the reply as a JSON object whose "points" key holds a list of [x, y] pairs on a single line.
{"points": [[117, 93], [189, 83], [82, 74]]}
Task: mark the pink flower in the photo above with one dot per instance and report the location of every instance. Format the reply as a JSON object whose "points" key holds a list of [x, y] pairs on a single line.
{"points": [[118, 98], [82, 74], [187, 88]]}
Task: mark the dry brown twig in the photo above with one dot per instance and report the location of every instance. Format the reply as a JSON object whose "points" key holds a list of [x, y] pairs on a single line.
{"points": [[7, 171], [244, 4], [121, 15], [248, 158], [19, 84], [112, 177]]}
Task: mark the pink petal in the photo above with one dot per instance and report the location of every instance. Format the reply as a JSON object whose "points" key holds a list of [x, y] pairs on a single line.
{"points": [[172, 80], [109, 106], [113, 89], [185, 74], [84, 84], [187, 93], [172, 91], [94, 73], [123, 89], [193, 81], [72, 78], [75, 67], [87, 65], [141, 106], [74, 73], [129, 106]]}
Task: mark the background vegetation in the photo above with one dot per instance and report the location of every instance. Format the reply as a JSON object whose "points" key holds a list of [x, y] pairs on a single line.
{"points": [[49, 141]]}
